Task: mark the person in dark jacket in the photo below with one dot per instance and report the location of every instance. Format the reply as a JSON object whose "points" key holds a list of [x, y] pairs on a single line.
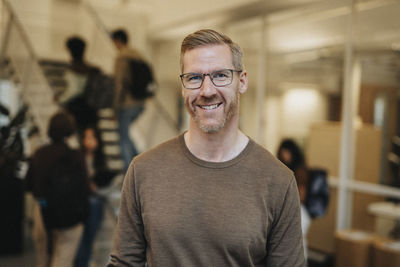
{"points": [[62, 242]]}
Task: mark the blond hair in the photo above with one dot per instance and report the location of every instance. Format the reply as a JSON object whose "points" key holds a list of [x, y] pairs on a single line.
{"points": [[207, 37]]}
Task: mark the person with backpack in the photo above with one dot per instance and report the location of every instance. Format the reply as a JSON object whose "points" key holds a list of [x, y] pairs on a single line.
{"points": [[77, 76], [127, 105], [312, 184], [58, 179]]}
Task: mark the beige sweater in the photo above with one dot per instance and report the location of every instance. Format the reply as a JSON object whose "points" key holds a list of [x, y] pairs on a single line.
{"points": [[177, 210], [122, 97]]}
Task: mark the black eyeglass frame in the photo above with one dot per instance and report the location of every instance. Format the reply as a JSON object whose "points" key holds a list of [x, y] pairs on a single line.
{"points": [[203, 75]]}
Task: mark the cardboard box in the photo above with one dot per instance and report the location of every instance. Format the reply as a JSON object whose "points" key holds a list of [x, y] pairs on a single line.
{"points": [[354, 248], [386, 253]]}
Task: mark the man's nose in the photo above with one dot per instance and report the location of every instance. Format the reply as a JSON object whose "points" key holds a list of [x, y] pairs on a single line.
{"points": [[207, 88]]}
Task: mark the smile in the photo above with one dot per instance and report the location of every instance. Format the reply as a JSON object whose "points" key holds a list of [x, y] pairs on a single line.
{"points": [[209, 107]]}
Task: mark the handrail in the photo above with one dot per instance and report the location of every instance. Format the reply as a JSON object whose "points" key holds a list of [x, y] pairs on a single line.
{"points": [[18, 24], [95, 16], [366, 187], [164, 113], [25, 73]]}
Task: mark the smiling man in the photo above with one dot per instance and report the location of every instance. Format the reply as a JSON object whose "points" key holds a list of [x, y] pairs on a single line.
{"points": [[211, 196]]}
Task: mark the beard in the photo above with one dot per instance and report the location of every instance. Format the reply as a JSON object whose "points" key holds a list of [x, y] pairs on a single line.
{"points": [[229, 111]]}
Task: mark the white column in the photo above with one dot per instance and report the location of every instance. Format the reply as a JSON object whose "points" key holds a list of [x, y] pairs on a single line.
{"points": [[352, 77], [261, 84]]}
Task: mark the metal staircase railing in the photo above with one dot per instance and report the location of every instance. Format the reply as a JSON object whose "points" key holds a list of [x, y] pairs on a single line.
{"points": [[33, 88]]}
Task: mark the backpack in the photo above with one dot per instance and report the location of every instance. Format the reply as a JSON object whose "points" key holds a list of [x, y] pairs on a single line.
{"points": [[317, 198], [99, 89], [142, 84], [67, 193]]}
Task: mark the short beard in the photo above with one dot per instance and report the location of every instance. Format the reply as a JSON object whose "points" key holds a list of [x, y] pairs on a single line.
{"points": [[210, 129], [233, 110]]}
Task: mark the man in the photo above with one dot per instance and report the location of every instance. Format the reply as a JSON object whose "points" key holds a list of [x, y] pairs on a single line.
{"points": [[77, 77], [127, 108], [211, 196]]}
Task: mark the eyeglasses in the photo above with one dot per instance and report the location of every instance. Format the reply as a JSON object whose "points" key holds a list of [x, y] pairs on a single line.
{"points": [[218, 78]]}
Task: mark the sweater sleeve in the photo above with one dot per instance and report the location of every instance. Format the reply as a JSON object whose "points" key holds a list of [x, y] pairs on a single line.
{"points": [[285, 245], [129, 247]]}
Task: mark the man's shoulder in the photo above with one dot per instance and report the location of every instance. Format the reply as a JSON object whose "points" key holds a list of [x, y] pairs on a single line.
{"points": [[129, 53], [265, 156], [43, 151], [263, 159], [163, 151]]}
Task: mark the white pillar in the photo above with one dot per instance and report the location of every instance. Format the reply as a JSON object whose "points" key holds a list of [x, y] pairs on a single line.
{"points": [[261, 85], [352, 77]]}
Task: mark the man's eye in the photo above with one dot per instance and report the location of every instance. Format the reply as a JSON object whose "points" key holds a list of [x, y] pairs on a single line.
{"points": [[220, 75], [194, 78]]}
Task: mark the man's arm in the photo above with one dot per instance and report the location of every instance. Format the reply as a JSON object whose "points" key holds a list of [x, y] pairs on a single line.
{"points": [[285, 242], [119, 68], [129, 247]]}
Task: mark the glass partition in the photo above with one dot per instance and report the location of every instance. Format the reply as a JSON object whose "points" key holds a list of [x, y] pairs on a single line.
{"points": [[330, 82]]}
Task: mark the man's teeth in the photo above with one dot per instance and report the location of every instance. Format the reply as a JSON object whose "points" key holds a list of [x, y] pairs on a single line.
{"points": [[210, 107]]}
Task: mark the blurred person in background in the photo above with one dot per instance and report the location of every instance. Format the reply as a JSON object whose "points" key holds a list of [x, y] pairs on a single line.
{"points": [[58, 180], [96, 167], [99, 177], [127, 107], [292, 156], [73, 98]]}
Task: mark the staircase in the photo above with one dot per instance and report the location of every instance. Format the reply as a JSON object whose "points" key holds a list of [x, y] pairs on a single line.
{"points": [[39, 81], [54, 72]]}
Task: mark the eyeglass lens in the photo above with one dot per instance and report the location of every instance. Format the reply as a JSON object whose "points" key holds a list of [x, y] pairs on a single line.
{"points": [[218, 78]]}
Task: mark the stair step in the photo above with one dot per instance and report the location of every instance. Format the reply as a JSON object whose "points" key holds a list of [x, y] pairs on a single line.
{"points": [[111, 150], [110, 137], [54, 72], [56, 64], [115, 165], [108, 125], [57, 82], [106, 113]]}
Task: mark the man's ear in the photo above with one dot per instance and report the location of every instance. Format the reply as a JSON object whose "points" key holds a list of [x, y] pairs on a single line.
{"points": [[243, 82]]}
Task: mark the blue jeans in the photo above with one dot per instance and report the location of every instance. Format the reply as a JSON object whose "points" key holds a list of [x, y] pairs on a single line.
{"points": [[92, 225], [126, 116]]}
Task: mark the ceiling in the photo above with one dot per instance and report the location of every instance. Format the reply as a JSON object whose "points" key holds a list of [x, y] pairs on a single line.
{"points": [[293, 24], [308, 28], [299, 34]]}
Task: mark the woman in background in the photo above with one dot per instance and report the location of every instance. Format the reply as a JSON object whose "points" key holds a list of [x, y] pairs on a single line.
{"points": [[98, 176], [291, 155]]}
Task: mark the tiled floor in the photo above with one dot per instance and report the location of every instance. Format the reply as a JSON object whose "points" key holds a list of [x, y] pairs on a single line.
{"points": [[101, 249]]}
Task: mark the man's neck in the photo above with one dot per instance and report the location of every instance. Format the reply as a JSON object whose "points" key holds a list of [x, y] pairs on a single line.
{"points": [[221, 146]]}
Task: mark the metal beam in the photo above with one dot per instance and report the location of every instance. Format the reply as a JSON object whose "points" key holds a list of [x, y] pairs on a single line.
{"points": [[351, 85]]}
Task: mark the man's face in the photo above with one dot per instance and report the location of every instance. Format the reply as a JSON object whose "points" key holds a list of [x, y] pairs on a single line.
{"points": [[212, 107], [118, 44]]}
